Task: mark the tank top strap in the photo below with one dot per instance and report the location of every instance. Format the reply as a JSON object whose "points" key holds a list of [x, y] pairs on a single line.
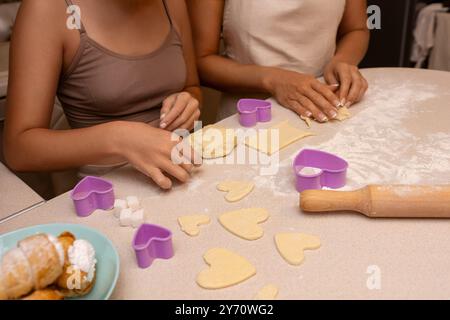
{"points": [[77, 15], [166, 8]]}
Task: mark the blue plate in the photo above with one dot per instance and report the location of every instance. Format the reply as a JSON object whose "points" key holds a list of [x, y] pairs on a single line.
{"points": [[108, 262]]}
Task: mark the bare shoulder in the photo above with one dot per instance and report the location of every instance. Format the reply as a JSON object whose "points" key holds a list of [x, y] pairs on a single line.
{"points": [[47, 17]]}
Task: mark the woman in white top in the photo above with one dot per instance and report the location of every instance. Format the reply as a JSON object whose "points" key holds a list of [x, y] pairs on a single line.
{"points": [[279, 47]]}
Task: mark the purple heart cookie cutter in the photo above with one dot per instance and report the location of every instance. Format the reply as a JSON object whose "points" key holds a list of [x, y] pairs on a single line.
{"points": [[252, 111], [152, 242], [92, 193], [331, 170]]}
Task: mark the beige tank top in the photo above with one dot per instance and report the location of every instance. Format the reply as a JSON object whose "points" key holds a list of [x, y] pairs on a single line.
{"points": [[102, 86], [298, 35]]}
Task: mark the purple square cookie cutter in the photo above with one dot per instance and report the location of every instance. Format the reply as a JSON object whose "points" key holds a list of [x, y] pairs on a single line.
{"points": [[331, 173], [152, 242], [252, 111], [92, 193]]}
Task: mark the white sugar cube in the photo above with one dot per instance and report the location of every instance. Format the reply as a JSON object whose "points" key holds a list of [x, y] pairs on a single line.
{"points": [[126, 217], [133, 203], [119, 205], [137, 218]]}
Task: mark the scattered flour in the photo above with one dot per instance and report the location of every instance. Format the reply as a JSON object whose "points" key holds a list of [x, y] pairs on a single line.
{"points": [[379, 148], [377, 144], [282, 184], [194, 184], [406, 190]]}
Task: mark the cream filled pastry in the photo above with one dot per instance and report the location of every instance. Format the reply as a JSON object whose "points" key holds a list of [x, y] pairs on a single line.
{"points": [[82, 257], [45, 267], [78, 276]]}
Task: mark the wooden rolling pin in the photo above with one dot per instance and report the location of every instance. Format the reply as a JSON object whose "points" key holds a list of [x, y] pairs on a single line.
{"points": [[376, 201]]}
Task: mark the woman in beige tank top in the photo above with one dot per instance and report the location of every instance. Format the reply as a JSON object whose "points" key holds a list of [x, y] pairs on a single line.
{"points": [[125, 74], [278, 48]]}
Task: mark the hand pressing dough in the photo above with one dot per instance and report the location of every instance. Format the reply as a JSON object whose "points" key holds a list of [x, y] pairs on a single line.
{"points": [[213, 142], [190, 224], [237, 190], [244, 223], [226, 269], [269, 292], [291, 246], [343, 114], [287, 135]]}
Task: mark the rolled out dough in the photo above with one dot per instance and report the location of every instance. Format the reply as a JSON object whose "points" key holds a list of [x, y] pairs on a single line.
{"points": [[191, 224], [269, 292], [244, 223], [237, 190], [291, 246], [226, 269], [213, 142], [262, 141]]}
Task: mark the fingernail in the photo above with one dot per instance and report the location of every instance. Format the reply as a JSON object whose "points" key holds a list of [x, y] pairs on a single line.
{"points": [[335, 85], [308, 114], [163, 125], [348, 104], [163, 116], [323, 118], [343, 101], [333, 114], [337, 104]]}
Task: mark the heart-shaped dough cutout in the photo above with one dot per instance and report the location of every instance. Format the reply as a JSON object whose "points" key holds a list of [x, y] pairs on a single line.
{"points": [[190, 224], [237, 190], [213, 142], [226, 269], [292, 246], [244, 223]]}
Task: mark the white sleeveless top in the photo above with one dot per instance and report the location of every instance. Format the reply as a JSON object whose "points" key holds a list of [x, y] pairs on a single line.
{"points": [[298, 35]]}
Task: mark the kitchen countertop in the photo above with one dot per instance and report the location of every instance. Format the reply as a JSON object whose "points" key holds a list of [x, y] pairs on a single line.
{"points": [[398, 134], [15, 195]]}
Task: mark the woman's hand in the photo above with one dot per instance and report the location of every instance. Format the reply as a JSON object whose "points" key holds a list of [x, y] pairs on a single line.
{"points": [[303, 94], [150, 151], [179, 111], [352, 84]]}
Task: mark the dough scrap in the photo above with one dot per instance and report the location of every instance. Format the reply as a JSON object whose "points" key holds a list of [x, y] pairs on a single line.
{"points": [[269, 292], [226, 269], [190, 224], [287, 135], [237, 190], [291, 246], [213, 142], [244, 223], [307, 120], [343, 114]]}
